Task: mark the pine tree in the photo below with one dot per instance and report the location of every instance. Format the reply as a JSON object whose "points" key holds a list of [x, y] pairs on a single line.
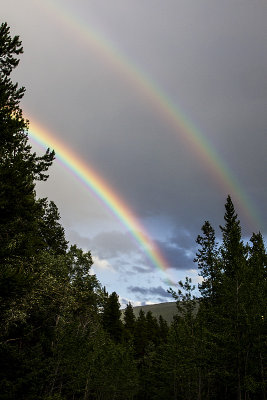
{"points": [[208, 263], [140, 335], [234, 264], [232, 249], [256, 306], [186, 334], [129, 323], [51, 233], [152, 328], [111, 317], [163, 329], [19, 167], [209, 312]]}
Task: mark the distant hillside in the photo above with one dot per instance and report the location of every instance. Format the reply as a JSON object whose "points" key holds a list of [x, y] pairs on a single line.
{"points": [[167, 310]]}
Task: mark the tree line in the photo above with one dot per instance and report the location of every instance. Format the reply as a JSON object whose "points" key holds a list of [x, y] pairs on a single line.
{"points": [[62, 335]]}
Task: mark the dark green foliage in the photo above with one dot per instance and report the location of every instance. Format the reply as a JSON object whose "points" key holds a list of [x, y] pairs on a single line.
{"points": [[51, 233], [129, 323], [208, 263], [152, 327], [216, 346], [140, 335], [163, 329], [111, 318], [19, 167]]}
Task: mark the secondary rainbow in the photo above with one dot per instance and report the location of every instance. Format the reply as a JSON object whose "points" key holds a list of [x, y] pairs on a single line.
{"points": [[185, 129], [103, 191]]}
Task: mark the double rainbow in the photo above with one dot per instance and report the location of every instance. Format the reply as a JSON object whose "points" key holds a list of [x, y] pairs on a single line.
{"points": [[182, 126]]}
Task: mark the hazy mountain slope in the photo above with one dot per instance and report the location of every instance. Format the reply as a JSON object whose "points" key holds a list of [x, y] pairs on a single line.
{"points": [[167, 310]]}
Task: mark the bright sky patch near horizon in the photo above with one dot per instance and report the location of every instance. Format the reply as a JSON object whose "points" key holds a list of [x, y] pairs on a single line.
{"points": [[209, 60]]}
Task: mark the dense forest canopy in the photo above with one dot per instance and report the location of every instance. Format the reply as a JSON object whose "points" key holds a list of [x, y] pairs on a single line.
{"points": [[62, 335]]}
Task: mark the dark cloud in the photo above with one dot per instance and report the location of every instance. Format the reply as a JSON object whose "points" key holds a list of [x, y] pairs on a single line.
{"points": [[143, 270], [112, 244], [155, 291], [179, 250]]}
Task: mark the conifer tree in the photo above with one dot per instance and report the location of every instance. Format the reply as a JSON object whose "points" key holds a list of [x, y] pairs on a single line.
{"points": [[140, 335], [184, 333], [129, 323], [51, 232], [233, 322], [208, 263], [163, 329], [19, 167], [152, 327], [232, 249], [256, 306], [111, 317]]}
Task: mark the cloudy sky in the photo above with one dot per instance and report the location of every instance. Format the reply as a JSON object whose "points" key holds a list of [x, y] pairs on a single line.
{"points": [[167, 103]]}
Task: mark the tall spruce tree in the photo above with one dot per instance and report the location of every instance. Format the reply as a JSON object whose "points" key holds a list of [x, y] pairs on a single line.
{"points": [[256, 307], [208, 263], [19, 167], [129, 323], [112, 317], [233, 309], [232, 249], [163, 329], [140, 335]]}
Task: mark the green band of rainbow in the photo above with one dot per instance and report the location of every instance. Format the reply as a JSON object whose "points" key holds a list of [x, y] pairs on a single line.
{"points": [[104, 192]]}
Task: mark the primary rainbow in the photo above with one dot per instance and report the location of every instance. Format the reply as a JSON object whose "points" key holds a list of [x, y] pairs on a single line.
{"points": [[160, 100], [104, 192]]}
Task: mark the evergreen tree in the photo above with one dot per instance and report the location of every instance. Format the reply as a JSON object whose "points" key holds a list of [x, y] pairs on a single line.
{"points": [[209, 312], [111, 317], [163, 329], [232, 249], [140, 335], [233, 324], [129, 323], [208, 263], [152, 327], [51, 232], [19, 167], [256, 306]]}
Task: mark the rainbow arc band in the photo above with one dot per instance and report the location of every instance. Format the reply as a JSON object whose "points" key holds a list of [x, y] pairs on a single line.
{"points": [[113, 201]]}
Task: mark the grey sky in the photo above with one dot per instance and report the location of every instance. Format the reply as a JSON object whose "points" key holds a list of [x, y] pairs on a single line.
{"points": [[210, 59]]}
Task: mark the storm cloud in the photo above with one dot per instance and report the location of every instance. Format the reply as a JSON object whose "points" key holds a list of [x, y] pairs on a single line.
{"points": [[156, 290]]}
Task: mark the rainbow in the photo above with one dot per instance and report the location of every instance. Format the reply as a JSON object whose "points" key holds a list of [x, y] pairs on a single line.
{"points": [[103, 191], [177, 119]]}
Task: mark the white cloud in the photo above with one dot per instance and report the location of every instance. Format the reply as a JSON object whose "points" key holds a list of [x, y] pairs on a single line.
{"points": [[124, 301], [193, 274], [102, 264]]}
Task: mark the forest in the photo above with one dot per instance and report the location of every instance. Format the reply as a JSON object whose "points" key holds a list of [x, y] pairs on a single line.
{"points": [[62, 335]]}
